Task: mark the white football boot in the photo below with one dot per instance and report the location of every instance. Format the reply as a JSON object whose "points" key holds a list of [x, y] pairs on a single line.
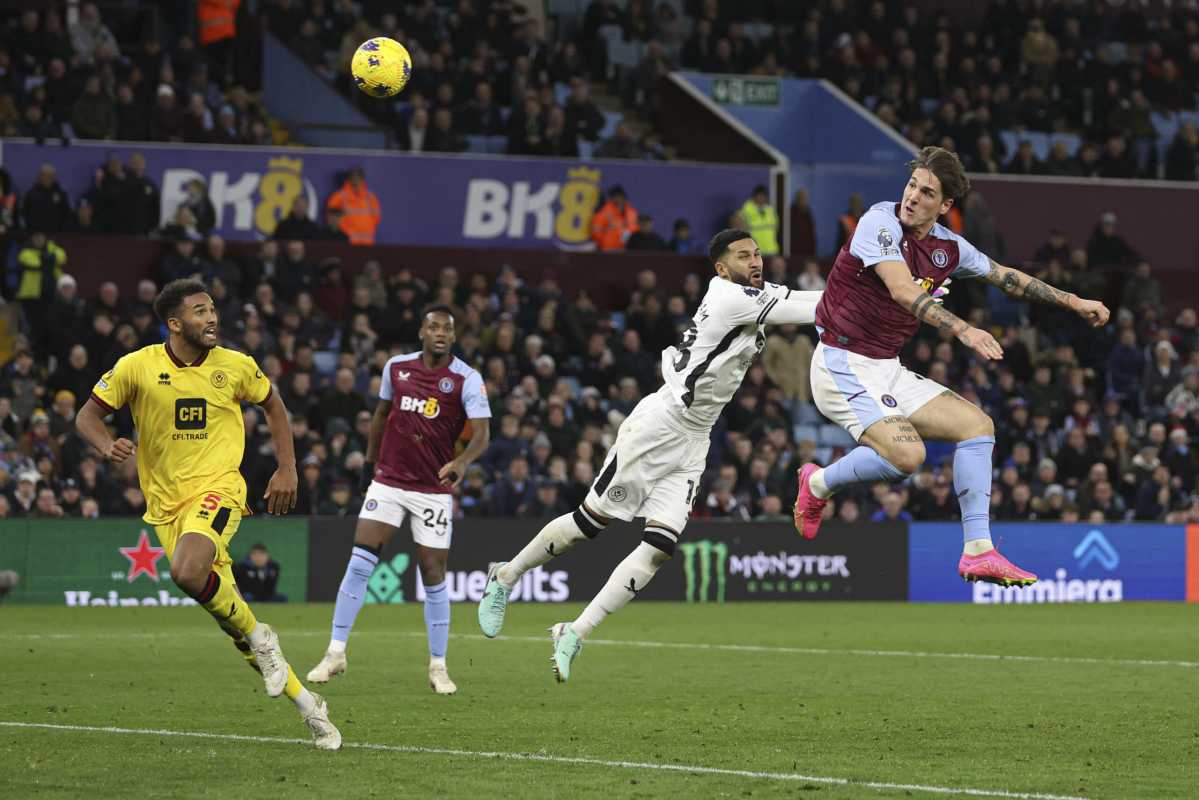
{"points": [[271, 663], [332, 664], [325, 734], [439, 679]]}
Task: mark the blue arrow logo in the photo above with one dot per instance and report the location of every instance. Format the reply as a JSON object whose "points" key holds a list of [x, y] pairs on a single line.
{"points": [[1095, 547]]}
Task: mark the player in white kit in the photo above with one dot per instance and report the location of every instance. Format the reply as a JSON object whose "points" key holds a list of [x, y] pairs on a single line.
{"points": [[654, 468]]}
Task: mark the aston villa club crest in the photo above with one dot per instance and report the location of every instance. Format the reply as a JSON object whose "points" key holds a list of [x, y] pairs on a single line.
{"points": [[446, 385], [940, 258]]}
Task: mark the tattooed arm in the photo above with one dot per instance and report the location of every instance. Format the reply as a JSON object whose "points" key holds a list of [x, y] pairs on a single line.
{"points": [[1023, 286], [898, 280]]}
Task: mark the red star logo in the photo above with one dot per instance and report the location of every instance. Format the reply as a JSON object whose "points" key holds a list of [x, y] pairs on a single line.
{"points": [[143, 558]]}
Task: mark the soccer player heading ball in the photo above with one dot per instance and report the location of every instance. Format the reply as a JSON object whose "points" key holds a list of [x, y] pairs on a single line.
{"points": [[185, 395], [654, 467], [877, 296]]}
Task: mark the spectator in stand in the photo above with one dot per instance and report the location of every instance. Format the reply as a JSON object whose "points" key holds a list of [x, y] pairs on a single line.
{"points": [[1161, 375], [295, 273], [332, 231], [413, 137], [847, 223], [621, 144], [803, 225], [68, 318], [258, 576], [94, 115], [46, 207], [224, 130], [681, 239], [200, 205], [141, 214], [443, 138], [1126, 363], [1106, 247], [583, 116], [298, 224], [90, 33], [74, 376], [133, 124], [359, 208], [763, 221], [39, 266], [182, 262], [1182, 157], [810, 279], [198, 122], [557, 140], [892, 509], [166, 124], [110, 195], [1143, 291], [1024, 161], [1117, 160], [645, 237], [514, 492], [341, 400], [480, 116], [787, 361], [614, 223]]}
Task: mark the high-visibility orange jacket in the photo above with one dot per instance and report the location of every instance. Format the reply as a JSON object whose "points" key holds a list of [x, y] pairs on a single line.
{"points": [[359, 212], [610, 227], [217, 20]]}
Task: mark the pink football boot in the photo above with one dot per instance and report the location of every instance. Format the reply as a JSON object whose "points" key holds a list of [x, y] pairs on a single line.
{"points": [[992, 567], [809, 509]]}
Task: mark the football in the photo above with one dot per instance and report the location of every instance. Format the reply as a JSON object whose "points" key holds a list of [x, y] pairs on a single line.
{"points": [[381, 67]]}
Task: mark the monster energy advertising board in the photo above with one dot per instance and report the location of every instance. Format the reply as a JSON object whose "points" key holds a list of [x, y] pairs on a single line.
{"points": [[716, 562]]}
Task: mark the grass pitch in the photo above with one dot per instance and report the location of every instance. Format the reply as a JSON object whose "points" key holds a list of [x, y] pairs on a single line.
{"points": [[741, 700]]}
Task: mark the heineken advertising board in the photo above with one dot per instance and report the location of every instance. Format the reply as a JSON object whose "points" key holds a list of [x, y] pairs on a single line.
{"points": [[119, 562]]}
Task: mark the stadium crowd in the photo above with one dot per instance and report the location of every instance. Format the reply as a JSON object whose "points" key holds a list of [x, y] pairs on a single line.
{"points": [[80, 81], [1114, 84], [1091, 425]]}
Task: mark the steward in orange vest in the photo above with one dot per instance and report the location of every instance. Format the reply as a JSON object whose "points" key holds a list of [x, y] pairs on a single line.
{"points": [[359, 209], [616, 220]]}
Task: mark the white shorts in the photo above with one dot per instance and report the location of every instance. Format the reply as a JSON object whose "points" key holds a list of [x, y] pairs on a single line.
{"points": [[855, 391], [653, 469], [432, 514]]}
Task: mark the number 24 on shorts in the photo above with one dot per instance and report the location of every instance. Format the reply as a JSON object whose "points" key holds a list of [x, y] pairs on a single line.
{"points": [[441, 520]]}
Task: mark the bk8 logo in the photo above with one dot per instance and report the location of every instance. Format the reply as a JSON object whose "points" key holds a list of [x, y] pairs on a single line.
{"points": [[429, 408]]}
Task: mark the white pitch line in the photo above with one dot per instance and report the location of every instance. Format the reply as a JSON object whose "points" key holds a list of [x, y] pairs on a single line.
{"points": [[729, 648], [548, 759]]}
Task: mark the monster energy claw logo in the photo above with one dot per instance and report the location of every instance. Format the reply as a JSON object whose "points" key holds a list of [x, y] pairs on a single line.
{"points": [[711, 556]]}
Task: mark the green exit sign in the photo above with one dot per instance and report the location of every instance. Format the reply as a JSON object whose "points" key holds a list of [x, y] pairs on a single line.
{"points": [[746, 91]]}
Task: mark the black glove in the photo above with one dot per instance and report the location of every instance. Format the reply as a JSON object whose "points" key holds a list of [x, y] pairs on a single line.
{"points": [[368, 475]]}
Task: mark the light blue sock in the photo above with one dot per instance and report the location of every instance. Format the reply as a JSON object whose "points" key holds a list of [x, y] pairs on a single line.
{"points": [[972, 482], [352, 592], [437, 618], [860, 465]]}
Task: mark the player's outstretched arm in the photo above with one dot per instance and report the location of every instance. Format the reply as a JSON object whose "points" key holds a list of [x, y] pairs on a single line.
{"points": [[90, 424], [909, 294], [281, 491], [792, 310], [480, 436], [1023, 286]]}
